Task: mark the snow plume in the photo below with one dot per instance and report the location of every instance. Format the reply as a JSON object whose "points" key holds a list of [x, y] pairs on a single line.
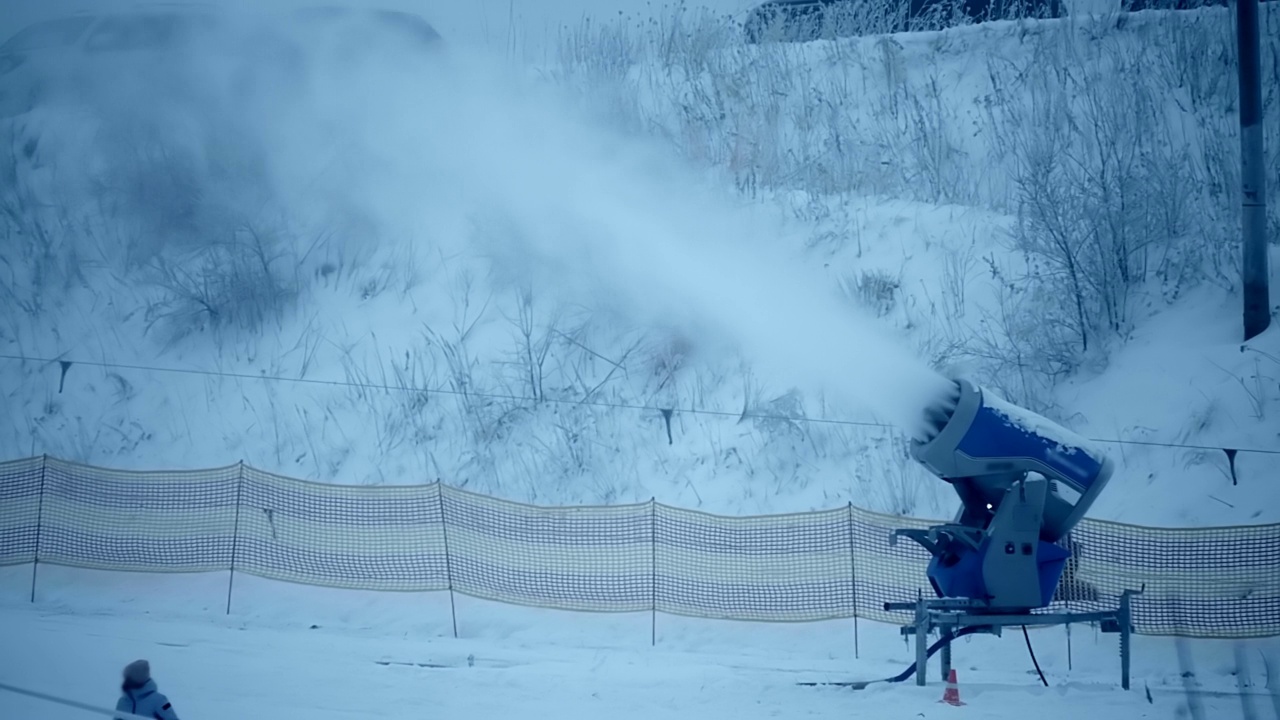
{"points": [[419, 145], [617, 218]]}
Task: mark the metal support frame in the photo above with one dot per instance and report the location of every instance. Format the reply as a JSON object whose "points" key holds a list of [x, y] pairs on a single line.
{"points": [[946, 616], [945, 661]]}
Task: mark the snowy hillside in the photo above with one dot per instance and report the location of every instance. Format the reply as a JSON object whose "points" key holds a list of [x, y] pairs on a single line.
{"points": [[422, 268]]}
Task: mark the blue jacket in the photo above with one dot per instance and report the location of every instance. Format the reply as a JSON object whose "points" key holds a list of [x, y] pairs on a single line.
{"points": [[147, 702]]}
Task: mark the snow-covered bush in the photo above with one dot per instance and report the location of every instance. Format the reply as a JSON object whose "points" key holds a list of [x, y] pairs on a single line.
{"points": [[241, 283], [874, 290], [41, 256]]}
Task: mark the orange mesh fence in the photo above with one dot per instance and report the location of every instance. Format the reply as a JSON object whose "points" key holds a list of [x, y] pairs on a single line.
{"points": [[1206, 582]]}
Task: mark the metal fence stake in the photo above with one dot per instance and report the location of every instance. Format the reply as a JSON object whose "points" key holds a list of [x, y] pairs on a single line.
{"points": [[35, 559], [448, 563], [853, 581], [235, 535], [653, 571]]}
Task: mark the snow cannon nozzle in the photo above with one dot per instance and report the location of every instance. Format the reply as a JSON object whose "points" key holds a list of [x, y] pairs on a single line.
{"points": [[1024, 482], [938, 414]]}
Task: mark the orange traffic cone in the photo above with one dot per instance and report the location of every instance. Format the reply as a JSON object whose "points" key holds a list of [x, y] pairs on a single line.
{"points": [[951, 695]]}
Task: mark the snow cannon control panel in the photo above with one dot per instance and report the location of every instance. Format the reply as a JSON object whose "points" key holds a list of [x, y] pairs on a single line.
{"points": [[1024, 482]]}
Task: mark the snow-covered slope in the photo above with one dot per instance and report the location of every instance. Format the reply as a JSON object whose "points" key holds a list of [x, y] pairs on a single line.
{"points": [[438, 271], [308, 652]]}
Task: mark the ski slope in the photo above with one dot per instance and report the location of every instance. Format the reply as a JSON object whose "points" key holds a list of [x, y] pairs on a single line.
{"points": [[298, 652]]}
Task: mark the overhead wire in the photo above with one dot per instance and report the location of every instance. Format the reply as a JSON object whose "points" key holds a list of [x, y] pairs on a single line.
{"points": [[561, 401]]}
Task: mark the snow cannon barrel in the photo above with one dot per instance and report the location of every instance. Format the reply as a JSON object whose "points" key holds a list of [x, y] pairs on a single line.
{"points": [[984, 446]]}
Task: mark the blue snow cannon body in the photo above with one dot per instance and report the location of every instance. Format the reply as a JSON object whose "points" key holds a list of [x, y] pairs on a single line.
{"points": [[1024, 482]]}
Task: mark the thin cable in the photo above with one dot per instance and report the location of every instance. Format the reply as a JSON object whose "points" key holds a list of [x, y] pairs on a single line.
{"points": [[558, 401], [1034, 661], [117, 714], [1180, 446], [439, 390]]}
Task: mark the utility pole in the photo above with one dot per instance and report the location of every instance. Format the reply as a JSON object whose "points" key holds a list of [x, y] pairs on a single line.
{"points": [[1253, 197]]}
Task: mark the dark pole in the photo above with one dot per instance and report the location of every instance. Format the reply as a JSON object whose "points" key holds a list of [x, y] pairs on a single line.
{"points": [[35, 559], [235, 534], [1253, 197], [448, 561], [653, 571], [853, 582]]}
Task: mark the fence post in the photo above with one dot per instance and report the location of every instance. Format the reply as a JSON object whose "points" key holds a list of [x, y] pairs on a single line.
{"points": [[448, 563], [235, 534], [853, 582], [35, 560], [1067, 592], [653, 571]]}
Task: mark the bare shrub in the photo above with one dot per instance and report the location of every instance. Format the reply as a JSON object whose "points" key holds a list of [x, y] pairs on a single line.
{"points": [[533, 345], [1102, 190], [957, 274], [594, 59], [487, 412], [568, 441], [877, 17], [1026, 343], [783, 415], [874, 290], [838, 117], [42, 259], [903, 486], [913, 123], [159, 192], [589, 369], [241, 283], [156, 191]]}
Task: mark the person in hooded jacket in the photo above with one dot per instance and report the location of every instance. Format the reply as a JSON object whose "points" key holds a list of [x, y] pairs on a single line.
{"points": [[139, 695]]}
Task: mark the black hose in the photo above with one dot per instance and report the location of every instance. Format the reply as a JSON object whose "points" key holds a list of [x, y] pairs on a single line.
{"points": [[1033, 656], [946, 638], [911, 669]]}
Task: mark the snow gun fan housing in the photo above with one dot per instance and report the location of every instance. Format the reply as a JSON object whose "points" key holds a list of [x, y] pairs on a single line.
{"points": [[1023, 481]]}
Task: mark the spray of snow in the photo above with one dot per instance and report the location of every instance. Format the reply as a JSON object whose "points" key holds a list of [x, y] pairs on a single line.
{"points": [[444, 143], [616, 218]]}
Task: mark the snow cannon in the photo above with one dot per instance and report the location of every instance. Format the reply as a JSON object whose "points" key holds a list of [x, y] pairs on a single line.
{"points": [[1024, 482]]}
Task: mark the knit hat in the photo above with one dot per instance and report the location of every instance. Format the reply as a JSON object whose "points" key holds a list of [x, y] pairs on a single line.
{"points": [[137, 672]]}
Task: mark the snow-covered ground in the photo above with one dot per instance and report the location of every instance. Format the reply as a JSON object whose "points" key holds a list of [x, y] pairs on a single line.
{"points": [[300, 652]]}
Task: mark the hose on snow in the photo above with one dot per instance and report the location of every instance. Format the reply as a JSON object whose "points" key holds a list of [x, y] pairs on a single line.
{"points": [[1034, 661], [935, 647]]}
